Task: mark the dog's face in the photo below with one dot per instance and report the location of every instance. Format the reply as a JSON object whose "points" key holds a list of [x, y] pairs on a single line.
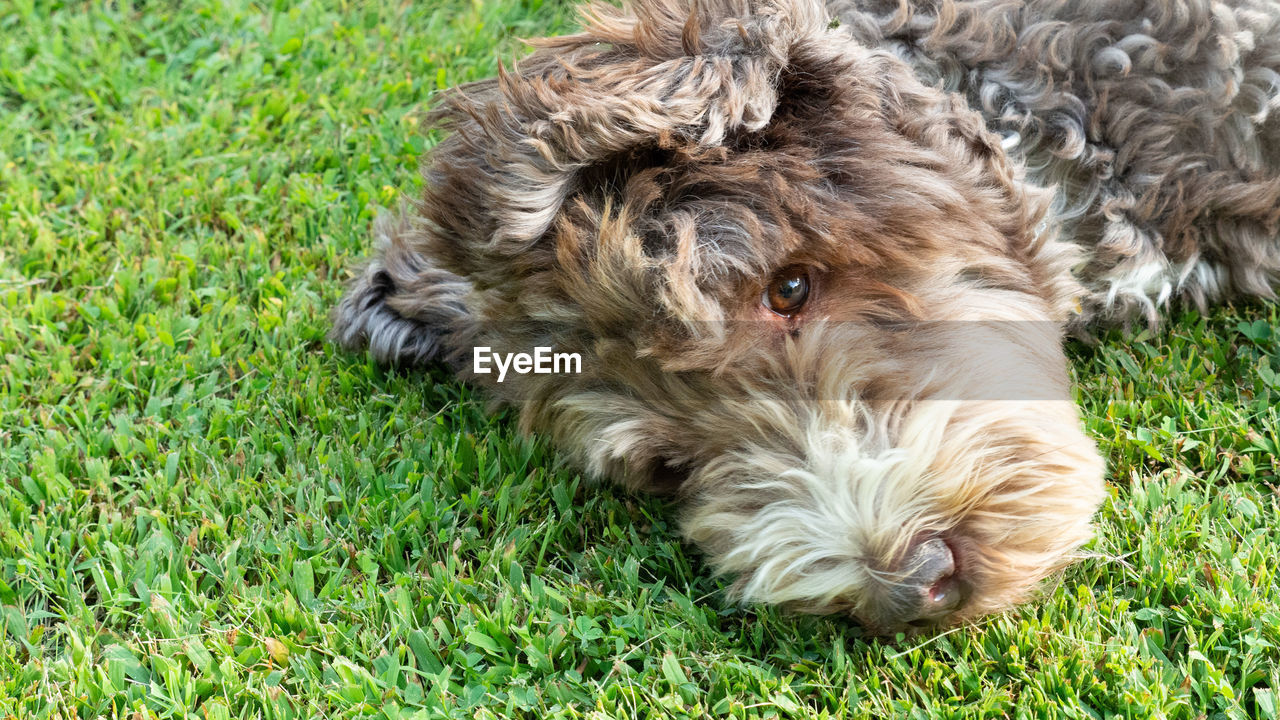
{"points": [[812, 297]]}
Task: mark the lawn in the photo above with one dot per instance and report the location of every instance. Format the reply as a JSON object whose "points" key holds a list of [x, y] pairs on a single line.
{"points": [[209, 512]]}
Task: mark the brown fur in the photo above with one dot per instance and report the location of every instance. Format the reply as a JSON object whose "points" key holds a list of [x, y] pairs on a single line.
{"points": [[628, 193], [1158, 122]]}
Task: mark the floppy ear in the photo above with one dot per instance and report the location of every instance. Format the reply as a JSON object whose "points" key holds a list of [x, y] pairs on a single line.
{"points": [[656, 72]]}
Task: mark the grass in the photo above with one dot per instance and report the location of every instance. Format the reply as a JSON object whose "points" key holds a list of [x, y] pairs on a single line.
{"points": [[210, 513]]}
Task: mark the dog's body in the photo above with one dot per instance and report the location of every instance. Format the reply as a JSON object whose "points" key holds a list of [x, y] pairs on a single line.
{"points": [[1158, 123], [814, 294]]}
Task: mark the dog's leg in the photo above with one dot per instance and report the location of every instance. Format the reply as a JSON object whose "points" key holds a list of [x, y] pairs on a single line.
{"points": [[401, 307]]}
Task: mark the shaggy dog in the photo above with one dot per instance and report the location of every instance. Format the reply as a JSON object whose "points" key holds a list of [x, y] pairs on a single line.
{"points": [[819, 262]]}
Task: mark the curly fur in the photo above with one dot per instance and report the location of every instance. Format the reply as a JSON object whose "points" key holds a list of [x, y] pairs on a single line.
{"points": [[629, 191], [1158, 123]]}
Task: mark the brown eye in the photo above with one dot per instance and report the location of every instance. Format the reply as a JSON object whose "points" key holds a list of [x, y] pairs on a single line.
{"points": [[788, 291]]}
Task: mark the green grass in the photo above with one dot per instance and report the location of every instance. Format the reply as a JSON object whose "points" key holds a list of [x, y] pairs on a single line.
{"points": [[208, 512]]}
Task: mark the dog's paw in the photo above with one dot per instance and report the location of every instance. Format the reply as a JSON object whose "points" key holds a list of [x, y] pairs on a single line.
{"points": [[400, 307]]}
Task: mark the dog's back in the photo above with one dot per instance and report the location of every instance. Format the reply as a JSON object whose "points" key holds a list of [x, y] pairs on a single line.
{"points": [[1159, 123]]}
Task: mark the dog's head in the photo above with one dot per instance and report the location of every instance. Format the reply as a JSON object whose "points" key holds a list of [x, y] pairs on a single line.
{"points": [[813, 297]]}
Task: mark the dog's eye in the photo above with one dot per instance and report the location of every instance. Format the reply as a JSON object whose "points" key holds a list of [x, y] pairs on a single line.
{"points": [[788, 291]]}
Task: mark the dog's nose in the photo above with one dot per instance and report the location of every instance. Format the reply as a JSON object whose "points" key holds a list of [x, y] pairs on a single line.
{"points": [[931, 589]]}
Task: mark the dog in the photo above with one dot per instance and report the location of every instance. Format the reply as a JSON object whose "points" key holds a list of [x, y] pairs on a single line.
{"points": [[819, 261]]}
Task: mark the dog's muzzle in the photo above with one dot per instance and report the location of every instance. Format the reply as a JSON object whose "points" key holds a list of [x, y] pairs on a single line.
{"points": [[931, 588]]}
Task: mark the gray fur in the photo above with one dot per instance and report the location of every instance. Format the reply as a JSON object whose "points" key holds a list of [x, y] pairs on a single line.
{"points": [[1158, 122], [401, 306]]}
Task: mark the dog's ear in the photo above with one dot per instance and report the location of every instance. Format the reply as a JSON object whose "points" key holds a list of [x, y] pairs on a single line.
{"points": [[652, 74]]}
